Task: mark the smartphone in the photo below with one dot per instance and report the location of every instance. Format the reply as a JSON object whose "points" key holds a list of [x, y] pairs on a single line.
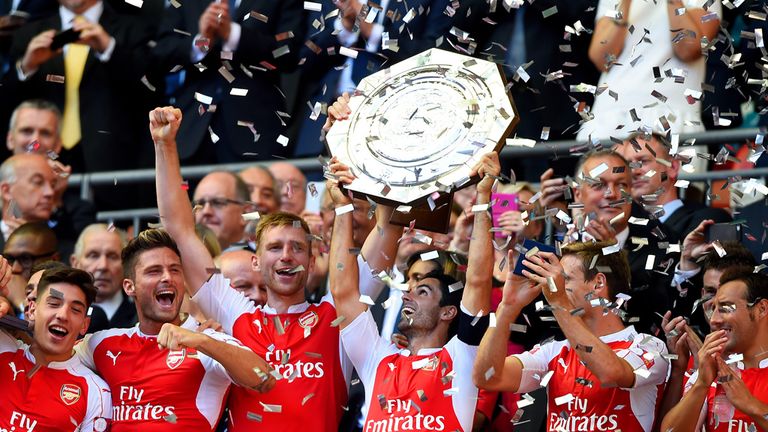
{"points": [[63, 38], [724, 232], [502, 203], [528, 245]]}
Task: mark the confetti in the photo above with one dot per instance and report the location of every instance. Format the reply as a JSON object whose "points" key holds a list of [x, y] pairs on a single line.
{"points": [[272, 408], [366, 300], [348, 52], [312, 6], [238, 91], [344, 209], [252, 216], [55, 78]]}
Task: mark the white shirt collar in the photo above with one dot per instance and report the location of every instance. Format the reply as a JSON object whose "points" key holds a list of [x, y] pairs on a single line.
{"points": [[297, 308], [670, 208], [5, 229], [110, 306], [93, 14], [621, 237]]}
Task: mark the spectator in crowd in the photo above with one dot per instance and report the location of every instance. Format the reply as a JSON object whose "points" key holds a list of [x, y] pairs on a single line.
{"points": [[383, 35], [30, 244], [262, 186], [284, 259], [237, 266], [30, 290], [221, 198], [239, 113], [436, 322], [542, 63], [654, 76], [81, 399], [97, 251], [101, 95], [27, 185], [35, 127], [292, 185], [600, 364], [726, 390], [654, 174]]}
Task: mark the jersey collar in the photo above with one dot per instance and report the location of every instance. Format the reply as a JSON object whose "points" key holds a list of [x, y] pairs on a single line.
{"points": [[297, 308]]}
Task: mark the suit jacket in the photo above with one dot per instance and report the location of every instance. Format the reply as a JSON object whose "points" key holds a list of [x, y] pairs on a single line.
{"points": [[540, 102], [689, 216], [111, 93], [253, 66], [124, 317]]}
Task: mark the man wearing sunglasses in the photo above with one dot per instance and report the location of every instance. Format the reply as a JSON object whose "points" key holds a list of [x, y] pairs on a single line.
{"points": [[29, 244], [219, 202]]}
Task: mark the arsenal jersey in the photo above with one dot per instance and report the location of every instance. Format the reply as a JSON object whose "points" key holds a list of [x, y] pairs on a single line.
{"points": [[62, 396], [302, 346], [157, 389], [577, 401], [721, 415], [429, 391]]}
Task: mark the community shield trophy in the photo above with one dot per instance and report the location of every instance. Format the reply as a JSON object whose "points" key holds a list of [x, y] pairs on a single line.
{"points": [[416, 130]]}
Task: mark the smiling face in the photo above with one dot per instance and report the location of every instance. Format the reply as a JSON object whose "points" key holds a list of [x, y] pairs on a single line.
{"points": [[60, 317], [732, 313], [597, 197], [284, 260], [421, 307], [650, 175], [157, 288]]}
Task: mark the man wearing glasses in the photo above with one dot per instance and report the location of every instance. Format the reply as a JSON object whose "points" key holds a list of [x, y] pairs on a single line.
{"points": [[219, 202], [29, 244]]}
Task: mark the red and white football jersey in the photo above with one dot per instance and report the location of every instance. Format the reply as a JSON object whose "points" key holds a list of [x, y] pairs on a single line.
{"points": [[721, 415], [302, 345], [63, 396], [429, 391], [577, 402], [157, 389]]}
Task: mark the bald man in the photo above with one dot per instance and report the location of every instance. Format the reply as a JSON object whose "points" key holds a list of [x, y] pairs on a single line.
{"points": [[27, 185], [263, 189], [237, 266], [292, 184]]}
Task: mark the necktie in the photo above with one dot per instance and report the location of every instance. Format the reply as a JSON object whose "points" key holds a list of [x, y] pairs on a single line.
{"points": [[74, 63]]}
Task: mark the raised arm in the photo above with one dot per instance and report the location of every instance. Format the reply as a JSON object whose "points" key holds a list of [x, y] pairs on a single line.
{"points": [[343, 270], [599, 358], [608, 39], [245, 367], [691, 24], [493, 370], [172, 200], [477, 290]]}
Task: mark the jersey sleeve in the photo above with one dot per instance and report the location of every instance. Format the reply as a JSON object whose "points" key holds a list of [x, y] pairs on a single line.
{"points": [[221, 302], [99, 414], [645, 356], [212, 364], [536, 364], [368, 283], [463, 357], [365, 347], [84, 350]]}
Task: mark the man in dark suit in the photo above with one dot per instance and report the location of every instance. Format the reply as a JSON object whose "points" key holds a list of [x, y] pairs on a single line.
{"points": [[604, 191], [654, 174], [227, 59], [97, 251], [103, 113], [409, 27]]}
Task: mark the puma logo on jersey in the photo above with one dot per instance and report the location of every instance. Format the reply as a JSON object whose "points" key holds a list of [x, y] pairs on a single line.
{"points": [[13, 368], [113, 356]]}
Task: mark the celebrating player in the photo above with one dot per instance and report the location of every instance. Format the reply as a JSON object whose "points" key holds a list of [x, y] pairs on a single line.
{"points": [[299, 340], [729, 388], [164, 377], [406, 390], [45, 386], [603, 376]]}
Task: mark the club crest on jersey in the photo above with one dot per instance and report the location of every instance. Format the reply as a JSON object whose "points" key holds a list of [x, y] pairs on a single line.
{"points": [[428, 364], [175, 358], [69, 393], [309, 320]]}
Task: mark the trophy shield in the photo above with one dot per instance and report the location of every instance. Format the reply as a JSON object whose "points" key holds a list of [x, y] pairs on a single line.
{"points": [[416, 130]]}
